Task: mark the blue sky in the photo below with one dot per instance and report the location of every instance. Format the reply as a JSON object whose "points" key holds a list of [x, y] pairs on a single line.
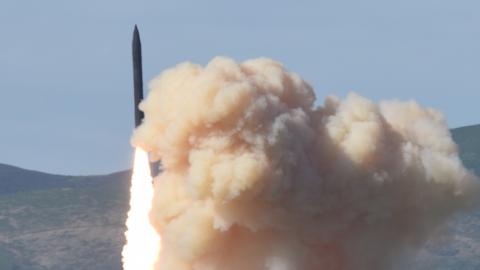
{"points": [[65, 66]]}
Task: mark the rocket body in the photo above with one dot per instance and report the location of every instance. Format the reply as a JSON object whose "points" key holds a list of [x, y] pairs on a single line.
{"points": [[138, 88], [137, 76]]}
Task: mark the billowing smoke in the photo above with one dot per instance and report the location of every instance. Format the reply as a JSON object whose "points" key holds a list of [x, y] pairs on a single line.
{"points": [[255, 176]]}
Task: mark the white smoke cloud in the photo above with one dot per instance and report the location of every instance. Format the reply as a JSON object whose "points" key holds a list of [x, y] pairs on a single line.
{"points": [[256, 177]]}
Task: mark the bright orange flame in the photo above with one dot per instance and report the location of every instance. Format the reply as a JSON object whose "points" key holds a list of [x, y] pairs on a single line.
{"points": [[143, 242]]}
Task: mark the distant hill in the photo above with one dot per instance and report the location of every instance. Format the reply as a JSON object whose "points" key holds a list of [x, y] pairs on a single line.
{"points": [[61, 222], [57, 222], [14, 179], [468, 140]]}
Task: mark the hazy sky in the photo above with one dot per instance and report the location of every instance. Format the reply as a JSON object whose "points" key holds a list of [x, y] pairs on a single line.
{"points": [[65, 66]]}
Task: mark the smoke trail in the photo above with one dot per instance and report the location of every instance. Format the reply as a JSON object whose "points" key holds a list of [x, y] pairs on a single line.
{"points": [[256, 177]]}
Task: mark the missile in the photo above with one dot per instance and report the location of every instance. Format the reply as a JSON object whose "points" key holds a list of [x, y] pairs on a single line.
{"points": [[138, 88], [137, 75]]}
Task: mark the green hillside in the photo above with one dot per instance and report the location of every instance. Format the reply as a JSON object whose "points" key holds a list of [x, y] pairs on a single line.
{"points": [[71, 223]]}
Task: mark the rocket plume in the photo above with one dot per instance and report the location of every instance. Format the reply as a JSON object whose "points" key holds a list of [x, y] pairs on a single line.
{"points": [[142, 241], [256, 176]]}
